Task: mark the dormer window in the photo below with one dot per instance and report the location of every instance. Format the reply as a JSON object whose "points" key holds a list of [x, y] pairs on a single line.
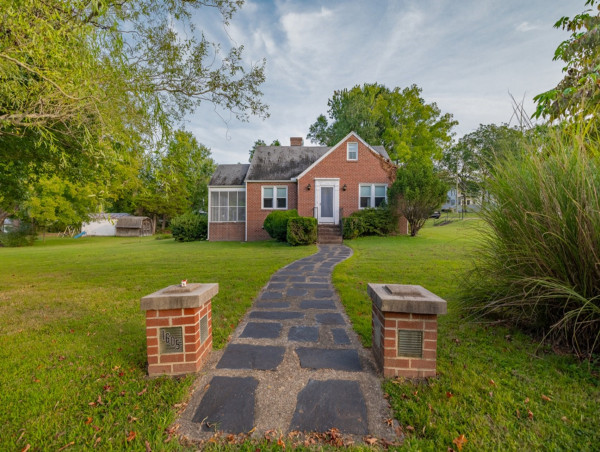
{"points": [[352, 151]]}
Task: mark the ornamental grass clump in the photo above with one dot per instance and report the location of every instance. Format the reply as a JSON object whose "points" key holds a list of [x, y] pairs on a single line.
{"points": [[539, 260]]}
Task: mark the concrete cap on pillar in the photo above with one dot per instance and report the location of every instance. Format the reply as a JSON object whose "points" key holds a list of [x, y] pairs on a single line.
{"points": [[405, 298], [176, 297]]}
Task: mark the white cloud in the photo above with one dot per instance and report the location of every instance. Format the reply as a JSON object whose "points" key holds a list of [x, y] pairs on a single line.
{"points": [[526, 26]]}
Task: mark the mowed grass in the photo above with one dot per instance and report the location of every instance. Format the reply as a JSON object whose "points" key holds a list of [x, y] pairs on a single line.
{"points": [[72, 336], [495, 386]]}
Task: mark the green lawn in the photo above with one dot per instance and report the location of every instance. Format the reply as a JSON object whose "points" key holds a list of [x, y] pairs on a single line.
{"points": [[72, 336], [72, 345], [490, 377]]}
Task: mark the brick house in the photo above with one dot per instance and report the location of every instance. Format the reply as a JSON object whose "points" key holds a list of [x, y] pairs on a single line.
{"points": [[321, 181]]}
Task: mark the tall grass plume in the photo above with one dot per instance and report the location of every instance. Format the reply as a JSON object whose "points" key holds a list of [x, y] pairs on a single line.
{"points": [[538, 263]]}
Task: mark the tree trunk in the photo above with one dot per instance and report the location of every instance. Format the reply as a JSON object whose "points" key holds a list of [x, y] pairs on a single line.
{"points": [[154, 219], [163, 221]]}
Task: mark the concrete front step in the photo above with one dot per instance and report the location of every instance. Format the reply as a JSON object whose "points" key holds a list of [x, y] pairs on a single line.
{"points": [[329, 234]]}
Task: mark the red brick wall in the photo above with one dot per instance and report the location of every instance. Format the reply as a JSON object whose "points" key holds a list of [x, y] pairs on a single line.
{"points": [[367, 169], [255, 214], [235, 232], [195, 352]]}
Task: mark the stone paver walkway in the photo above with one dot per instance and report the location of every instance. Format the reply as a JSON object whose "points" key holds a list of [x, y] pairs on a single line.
{"points": [[294, 363]]}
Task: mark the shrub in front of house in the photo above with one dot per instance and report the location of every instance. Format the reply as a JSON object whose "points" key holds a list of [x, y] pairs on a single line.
{"points": [[276, 223], [353, 227], [374, 221], [302, 231], [189, 227]]}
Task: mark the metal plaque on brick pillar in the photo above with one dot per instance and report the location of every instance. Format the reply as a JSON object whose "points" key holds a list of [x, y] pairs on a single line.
{"points": [[410, 343], [203, 328], [170, 340]]}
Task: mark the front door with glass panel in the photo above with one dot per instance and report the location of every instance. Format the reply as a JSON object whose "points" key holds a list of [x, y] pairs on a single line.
{"points": [[327, 198]]}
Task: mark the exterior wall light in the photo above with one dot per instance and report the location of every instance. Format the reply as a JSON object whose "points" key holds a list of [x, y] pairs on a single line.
{"points": [[308, 187], [344, 187]]}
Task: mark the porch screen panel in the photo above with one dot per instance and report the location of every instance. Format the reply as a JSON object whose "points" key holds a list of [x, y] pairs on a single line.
{"points": [[327, 202], [228, 206]]}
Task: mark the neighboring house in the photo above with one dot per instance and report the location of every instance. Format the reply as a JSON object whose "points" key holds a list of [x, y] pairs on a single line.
{"points": [[469, 203], [102, 224], [131, 226], [319, 181]]}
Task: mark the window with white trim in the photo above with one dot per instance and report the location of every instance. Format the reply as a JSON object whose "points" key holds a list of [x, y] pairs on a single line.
{"points": [[352, 150], [372, 195], [228, 206], [274, 197]]}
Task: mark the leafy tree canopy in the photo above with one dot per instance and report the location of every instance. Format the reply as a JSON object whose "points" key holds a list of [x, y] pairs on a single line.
{"points": [[578, 93], [469, 161], [88, 86], [398, 119], [417, 191]]}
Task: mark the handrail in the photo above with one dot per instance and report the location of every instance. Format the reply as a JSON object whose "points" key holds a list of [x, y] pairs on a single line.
{"points": [[341, 220]]}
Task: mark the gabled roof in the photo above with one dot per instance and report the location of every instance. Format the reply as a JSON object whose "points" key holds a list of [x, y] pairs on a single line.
{"points": [[227, 175], [279, 163], [282, 162]]}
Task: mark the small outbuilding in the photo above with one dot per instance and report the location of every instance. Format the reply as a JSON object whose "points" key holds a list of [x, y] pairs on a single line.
{"points": [[131, 226], [102, 224]]}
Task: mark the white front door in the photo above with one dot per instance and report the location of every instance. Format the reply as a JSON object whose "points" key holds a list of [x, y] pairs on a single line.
{"points": [[327, 199]]}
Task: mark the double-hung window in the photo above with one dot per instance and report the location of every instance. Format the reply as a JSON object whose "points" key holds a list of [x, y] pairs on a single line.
{"points": [[228, 205], [274, 197], [372, 195], [352, 150]]}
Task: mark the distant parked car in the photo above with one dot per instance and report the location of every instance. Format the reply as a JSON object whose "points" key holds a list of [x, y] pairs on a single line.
{"points": [[435, 214]]}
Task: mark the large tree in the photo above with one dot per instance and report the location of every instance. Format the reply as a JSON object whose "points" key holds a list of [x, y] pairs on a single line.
{"points": [[398, 119], [85, 85], [469, 161], [417, 191], [175, 180], [578, 93]]}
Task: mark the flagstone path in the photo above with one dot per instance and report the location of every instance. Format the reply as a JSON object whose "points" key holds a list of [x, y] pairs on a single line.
{"points": [[293, 364]]}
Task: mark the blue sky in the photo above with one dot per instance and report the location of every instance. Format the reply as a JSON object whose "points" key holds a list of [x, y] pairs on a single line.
{"points": [[466, 55]]}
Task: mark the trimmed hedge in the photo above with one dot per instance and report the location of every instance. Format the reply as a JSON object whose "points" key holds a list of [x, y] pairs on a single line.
{"points": [[374, 221], [189, 227], [276, 223], [302, 231]]}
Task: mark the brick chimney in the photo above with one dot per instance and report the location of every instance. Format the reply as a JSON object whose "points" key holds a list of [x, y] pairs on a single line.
{"points": [[296, 141]]}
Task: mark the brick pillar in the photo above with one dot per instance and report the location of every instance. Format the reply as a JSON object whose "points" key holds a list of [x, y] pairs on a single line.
{"points": [[178, 328], [404, 321]]}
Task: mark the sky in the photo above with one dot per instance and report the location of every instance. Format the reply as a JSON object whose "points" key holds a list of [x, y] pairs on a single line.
{"points": [[468, 56]]}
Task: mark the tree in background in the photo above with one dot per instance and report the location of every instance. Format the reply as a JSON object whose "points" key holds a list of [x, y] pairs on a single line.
{"points": [[417, 191], [469, 161], [261, 142], [86, 86], [176, 180], [398, 119], [578, 93]]}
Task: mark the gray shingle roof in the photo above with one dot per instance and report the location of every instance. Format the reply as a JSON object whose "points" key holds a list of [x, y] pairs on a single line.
{"points": [[230, 174], [283, 162]]}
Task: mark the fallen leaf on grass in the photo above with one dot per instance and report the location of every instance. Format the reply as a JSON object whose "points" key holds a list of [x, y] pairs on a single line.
{"points": [[66, 445], [564, 419], [97, 441], [529, 414], [410, 428], [280, 443], [518, 414], [370, 440], [460, 441], [132, 419], [143, 391], [131, 436], [492, 382], [389, 421], [546, 398], [148, 448], [26, 448], [526, 399], [449, 394], [88, 421]]}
